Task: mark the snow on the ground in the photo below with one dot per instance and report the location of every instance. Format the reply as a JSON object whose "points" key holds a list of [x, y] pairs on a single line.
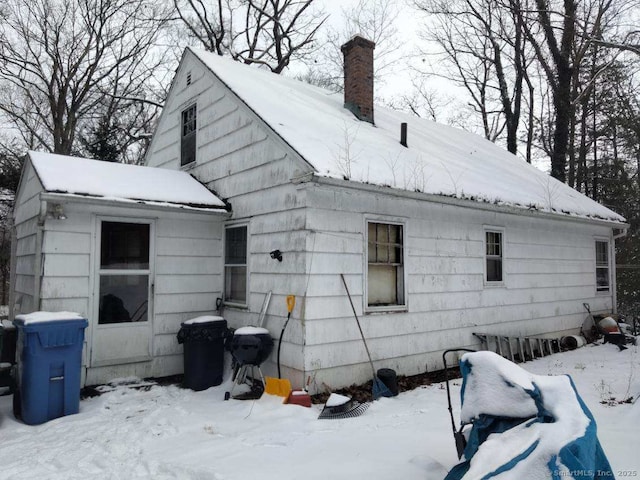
{"points": [[173, 433]]}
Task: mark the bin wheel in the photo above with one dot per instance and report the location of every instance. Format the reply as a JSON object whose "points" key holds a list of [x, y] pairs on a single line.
{"points": [[17, 405]]}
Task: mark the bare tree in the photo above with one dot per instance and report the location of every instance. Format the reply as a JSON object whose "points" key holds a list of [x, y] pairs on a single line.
{"points": [[206, 21], [62, 62], [376, 20], [267, 32], [483, 50], [563, 35], [422, 101]]}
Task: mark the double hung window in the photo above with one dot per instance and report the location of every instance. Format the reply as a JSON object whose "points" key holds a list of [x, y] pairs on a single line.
{"points": [[602, 266], [493, 256], [385, 265], [235, 264]]}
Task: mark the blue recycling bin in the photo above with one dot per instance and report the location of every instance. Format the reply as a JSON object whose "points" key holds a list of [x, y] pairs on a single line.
{"points": [[49, 355]]}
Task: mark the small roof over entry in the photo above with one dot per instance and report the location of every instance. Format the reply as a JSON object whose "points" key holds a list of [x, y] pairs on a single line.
{"points": [[83, 177]]}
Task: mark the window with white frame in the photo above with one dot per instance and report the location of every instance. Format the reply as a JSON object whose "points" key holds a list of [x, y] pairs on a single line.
{"points": [[493, 256], [602, 266], [235, 264], [188, 136], [385, 265]]}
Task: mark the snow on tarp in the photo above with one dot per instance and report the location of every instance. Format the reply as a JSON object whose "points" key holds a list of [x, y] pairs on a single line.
{"points": [[525, 425], [440, 160], [118, 181]]}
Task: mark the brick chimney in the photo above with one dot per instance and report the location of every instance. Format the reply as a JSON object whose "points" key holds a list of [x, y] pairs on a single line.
{"points": [[358, 77]]}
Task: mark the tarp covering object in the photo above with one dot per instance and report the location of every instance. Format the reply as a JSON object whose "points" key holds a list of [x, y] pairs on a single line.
{"points": [[524, 425]]}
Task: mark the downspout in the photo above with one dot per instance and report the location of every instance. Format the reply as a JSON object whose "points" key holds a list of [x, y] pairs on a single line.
{"points": [[37, 269], [622, 233]]}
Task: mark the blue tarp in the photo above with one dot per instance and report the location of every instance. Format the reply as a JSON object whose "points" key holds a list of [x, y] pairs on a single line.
{"points": [[557, 440]]}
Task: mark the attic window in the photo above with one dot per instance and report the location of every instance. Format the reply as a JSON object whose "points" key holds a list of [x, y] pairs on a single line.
{"points": [[188, 137], [188, 78]]}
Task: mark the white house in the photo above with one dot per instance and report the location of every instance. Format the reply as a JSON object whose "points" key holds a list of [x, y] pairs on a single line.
{"points": [[439, 233]]}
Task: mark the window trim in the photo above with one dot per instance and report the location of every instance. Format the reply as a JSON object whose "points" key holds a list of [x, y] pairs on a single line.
{"points": [[228, 303], [365, 297], [607, 242], [493, 229], [194, 133]]}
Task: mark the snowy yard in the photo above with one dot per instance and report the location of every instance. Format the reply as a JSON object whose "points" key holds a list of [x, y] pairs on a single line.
{"points": [[172, 433]]}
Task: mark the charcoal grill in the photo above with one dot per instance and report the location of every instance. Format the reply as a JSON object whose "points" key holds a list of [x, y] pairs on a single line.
{"points": [[249, 346]]}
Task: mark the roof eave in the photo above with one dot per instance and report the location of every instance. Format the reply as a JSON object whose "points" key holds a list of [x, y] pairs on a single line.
{"points": [[133, 203], [460, 202]]}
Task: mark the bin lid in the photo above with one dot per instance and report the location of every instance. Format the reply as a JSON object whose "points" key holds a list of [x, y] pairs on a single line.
{"points": [[204, 319], [46, 317], [251, 331]]}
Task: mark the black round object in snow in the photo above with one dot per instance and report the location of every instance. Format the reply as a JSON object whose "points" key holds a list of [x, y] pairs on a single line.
{"points": [[390, 379], [203, 340], [251, 347]]}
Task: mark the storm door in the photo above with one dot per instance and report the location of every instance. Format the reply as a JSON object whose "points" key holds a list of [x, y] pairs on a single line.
{"points": [[122, 306]]}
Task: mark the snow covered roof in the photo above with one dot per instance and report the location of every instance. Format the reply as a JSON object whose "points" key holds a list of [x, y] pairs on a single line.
{"points": [[121, 182], [439, 160]]}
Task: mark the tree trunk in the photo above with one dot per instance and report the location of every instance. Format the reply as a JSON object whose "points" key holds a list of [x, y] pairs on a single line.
{"points": [[564, 111], [581, 183]]}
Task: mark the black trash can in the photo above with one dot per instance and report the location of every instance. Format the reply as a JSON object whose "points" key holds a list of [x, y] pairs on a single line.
{"points": [[203, 340], [9, 339], [6, 361], [390, 379]]}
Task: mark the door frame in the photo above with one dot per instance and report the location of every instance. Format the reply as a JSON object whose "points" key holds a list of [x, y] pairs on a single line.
{"points": [[95, 293]]}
